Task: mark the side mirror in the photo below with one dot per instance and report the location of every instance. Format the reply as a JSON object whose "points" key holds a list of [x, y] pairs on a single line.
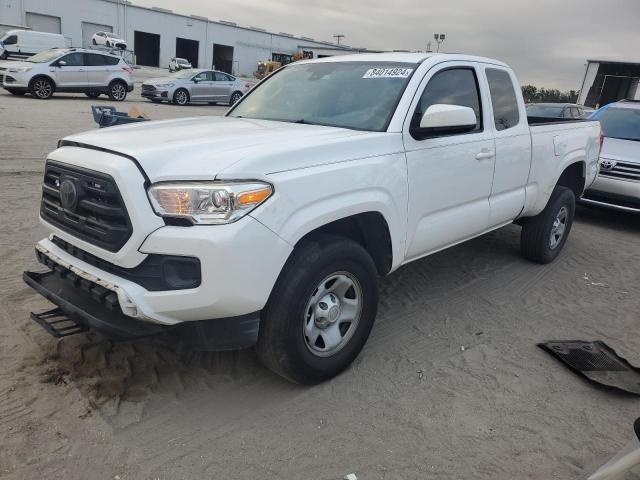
{"points": [[441, 119], [195, 80], [61, 63]]}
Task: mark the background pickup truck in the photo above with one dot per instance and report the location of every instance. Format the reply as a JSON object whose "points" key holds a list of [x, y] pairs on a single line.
{"points": [[270, 226]]}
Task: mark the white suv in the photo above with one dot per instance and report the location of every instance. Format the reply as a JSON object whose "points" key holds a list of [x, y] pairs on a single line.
{"points": [[69, 70]]}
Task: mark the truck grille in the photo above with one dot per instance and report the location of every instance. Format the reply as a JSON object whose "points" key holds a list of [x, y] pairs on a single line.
{"points": [[620, 170], [86, 204]]}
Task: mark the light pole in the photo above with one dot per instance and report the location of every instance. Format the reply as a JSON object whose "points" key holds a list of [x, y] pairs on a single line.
{"points": [[439, 38], [338, 37]]}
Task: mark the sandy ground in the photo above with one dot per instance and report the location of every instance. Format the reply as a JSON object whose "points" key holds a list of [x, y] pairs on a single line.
{"points": [[414, 405]]}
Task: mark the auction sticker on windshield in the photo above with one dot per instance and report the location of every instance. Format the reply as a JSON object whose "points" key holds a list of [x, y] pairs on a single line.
{"points": [[388, 73]]}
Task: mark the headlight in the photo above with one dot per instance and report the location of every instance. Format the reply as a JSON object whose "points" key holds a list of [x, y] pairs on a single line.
{"points": [[165, 85], [19, 69], [210, 203]]}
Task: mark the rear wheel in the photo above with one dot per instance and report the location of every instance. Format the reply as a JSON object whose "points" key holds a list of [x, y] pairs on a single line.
{"points": [[117, 91], [181, 97], [42, 88], [544, 235], [235, 97], [320, 311], [92, 94]]}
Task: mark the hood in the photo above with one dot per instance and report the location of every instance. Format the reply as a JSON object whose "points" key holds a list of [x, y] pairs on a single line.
{"points": [[622, 150], [200, 148], [13, 65], [157, 80]]}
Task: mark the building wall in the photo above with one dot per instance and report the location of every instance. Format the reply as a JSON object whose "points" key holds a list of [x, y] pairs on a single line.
{"points": [[250, 46]]}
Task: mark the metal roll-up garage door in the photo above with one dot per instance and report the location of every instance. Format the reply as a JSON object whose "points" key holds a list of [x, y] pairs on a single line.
{"points": [[88, 29], [43, 23]]}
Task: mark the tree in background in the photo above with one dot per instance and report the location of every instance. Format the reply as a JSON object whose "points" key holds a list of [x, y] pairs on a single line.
{"points": [[533, 94]]}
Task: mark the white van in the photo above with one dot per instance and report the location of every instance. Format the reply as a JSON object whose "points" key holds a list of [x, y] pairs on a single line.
{"points": [[24, 43]]}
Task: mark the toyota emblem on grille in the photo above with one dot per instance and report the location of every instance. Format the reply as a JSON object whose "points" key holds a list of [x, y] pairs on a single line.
{"points": [[68, 194], [606, 165]]}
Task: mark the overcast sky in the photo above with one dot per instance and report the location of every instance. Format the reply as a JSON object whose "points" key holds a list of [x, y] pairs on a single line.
{"points": [[545, 41]]}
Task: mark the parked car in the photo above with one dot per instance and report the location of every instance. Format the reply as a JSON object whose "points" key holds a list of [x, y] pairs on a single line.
{"points": [[109, 39], [617, 185], [24, 43], [191, 85], [69, 70], [179, 64], [557, 110], [269, 226]]}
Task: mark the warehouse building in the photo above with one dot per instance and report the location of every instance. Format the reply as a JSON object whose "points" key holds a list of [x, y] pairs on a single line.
{"points": [[155, 35], [607, 81]]}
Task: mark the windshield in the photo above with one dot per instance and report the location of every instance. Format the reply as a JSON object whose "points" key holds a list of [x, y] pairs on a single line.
{"points": [[357, 95], [188, 73], [45, 56], [181, 60], [110, 35], [544, 110], [622, 123]]}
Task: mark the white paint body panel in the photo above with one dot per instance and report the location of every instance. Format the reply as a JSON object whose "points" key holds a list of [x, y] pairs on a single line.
{"points": [[433, 193]]}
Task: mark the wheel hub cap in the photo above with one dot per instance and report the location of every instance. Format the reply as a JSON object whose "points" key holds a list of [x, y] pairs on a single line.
{"points": [[558, 228], [332, 314]]}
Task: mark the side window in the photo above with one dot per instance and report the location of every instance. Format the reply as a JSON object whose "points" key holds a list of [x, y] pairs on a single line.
{"points": [[567, 113], [455, 86], [503, 99], [204, 77], [94, 60], [11, 40], [221, 77], [575, 112], [73, 59], [110, 60]]}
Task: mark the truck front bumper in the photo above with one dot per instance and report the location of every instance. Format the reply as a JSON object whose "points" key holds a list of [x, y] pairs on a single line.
{"points": [[239, 264]]}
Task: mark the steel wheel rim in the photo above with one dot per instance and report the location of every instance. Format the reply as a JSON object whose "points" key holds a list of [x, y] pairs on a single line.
{"points": [[181, 97], [558, 228], [42, 88], [332, 314], [118, 91]]}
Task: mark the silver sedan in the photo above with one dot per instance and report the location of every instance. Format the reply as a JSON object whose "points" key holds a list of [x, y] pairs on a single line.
{"points": [[195, 85]]}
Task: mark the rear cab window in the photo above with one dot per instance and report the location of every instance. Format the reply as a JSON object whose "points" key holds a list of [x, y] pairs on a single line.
{"points": [[503, 99]]}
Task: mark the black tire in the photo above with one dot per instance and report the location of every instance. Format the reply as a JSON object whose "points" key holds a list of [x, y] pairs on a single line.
{"points": [[17, 92], [536, 243], [235, 96], [117, 91], [92, 94], [4, 55], [41, 88], [282, 345], [94, 41], [181, 97]]}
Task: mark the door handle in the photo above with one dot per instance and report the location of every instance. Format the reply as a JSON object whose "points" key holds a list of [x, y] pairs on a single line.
{"points": [[485, 154]]}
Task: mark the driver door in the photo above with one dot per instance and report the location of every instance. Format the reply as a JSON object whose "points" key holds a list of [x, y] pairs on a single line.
{"points": [[73, 74], [202, 89], [450, 175]]}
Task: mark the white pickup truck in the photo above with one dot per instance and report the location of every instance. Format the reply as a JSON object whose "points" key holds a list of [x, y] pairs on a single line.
{"points": [[270, 226]]}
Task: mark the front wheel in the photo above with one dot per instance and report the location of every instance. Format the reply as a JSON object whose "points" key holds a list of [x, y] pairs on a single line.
{"points": [[117, 91], [181, 97], [42, 88], [321, 310], [94, 42], [544, 235]]}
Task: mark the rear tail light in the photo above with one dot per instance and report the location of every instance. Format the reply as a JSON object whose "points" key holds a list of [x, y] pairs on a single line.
{"points": [[127, 69], [247, 85]]}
